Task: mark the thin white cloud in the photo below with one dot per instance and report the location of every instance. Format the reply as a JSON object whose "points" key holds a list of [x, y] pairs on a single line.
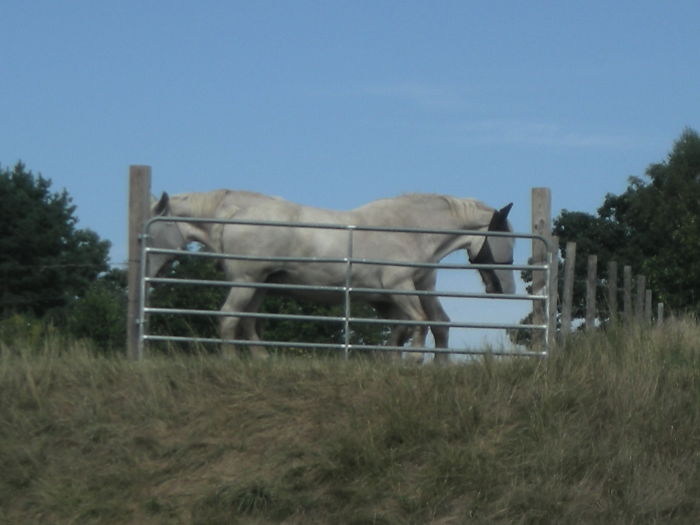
{"points": [[448, 99], [519, 132]]}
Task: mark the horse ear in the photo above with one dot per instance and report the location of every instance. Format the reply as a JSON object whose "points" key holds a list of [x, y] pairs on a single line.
{"points": [[163, 205], [503, 212], [499, 219]]}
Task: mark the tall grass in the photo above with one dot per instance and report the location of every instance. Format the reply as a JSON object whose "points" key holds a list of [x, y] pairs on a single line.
{"points": [[607, 430]]}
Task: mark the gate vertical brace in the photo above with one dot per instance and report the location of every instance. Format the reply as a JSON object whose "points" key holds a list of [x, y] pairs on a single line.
{"points": [[542, 226], [139, 203], [348, 283]]}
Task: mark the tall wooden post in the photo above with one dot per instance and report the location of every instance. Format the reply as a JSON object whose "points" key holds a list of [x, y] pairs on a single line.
{"points": [[612, 291], [541, 225], [553, 290], [591, 282], [627, 295], [639, 299], [568, 300], [139, 204]]}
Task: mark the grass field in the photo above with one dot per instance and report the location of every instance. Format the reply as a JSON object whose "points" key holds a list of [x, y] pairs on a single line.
{"points": [[606, 430]]}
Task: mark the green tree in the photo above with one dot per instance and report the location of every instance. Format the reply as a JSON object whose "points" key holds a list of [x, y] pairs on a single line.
{"points": [[320, 331], [593, 235], [45, 261], [189, 297], [654, 226], [100, 314], [663, 216]]}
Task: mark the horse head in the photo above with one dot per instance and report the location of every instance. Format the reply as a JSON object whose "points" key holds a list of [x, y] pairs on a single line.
{"points": [[163, 235], [496, 250]]}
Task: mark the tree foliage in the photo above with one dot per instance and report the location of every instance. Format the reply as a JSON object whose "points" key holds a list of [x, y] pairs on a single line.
{"points": [[188, 297], [100, 314], [654, 226], [46, 262], [320, 331]]}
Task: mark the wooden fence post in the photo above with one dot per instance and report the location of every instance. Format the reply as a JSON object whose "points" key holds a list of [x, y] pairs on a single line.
{"points": [[541, 225], [612, 291], [659, 314], [639, 299], [591, 281], [139, 209], [647, 307], [627, 297], [568, 292], [553, 290]]}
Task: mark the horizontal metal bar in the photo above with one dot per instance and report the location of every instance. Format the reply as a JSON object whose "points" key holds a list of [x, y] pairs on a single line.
{"points": [[345, 227], [243, 315], [345, 260], [341, 346], [341, 289], [244, 342], [449, 324], [339, 319]]}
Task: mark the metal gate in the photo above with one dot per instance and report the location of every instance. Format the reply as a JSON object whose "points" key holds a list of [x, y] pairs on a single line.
{"points": [[540, 331]]}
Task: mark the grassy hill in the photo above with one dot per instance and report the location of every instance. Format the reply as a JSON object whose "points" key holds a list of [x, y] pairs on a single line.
{"points": [[607, 430]]}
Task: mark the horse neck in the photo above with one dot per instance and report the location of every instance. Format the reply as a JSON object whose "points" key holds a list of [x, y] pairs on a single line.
{"points": [[473, 214], [454, 214], [428, 211]]}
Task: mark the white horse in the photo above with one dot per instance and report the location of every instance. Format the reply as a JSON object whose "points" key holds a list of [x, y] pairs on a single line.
{"points": [[177, 235], [406, 211]]}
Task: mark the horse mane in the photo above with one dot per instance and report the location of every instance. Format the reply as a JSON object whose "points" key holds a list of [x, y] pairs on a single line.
{"points": [[199, 204], [460, 207]]}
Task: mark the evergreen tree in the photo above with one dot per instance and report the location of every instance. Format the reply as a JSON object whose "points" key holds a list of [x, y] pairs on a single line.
{"points": [[45, 261]]}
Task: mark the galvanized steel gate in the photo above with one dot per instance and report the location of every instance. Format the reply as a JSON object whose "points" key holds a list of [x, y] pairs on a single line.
{"points": [[346, 289]]}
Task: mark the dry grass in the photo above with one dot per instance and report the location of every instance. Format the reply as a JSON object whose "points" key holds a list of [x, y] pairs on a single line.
{"points": [[606, 431]]}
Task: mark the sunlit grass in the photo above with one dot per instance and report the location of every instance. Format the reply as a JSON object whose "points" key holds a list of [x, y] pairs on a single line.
{"points": [[604, 431]]}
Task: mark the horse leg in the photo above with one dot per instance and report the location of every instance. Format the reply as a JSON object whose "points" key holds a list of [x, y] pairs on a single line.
{"points": [[249, 327], [239, 300], [433, 308], [441, 334], [410, 308], [400, 333]]}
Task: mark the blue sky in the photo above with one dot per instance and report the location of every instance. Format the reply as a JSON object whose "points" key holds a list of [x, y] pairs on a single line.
{"points": [[338, 103]]}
